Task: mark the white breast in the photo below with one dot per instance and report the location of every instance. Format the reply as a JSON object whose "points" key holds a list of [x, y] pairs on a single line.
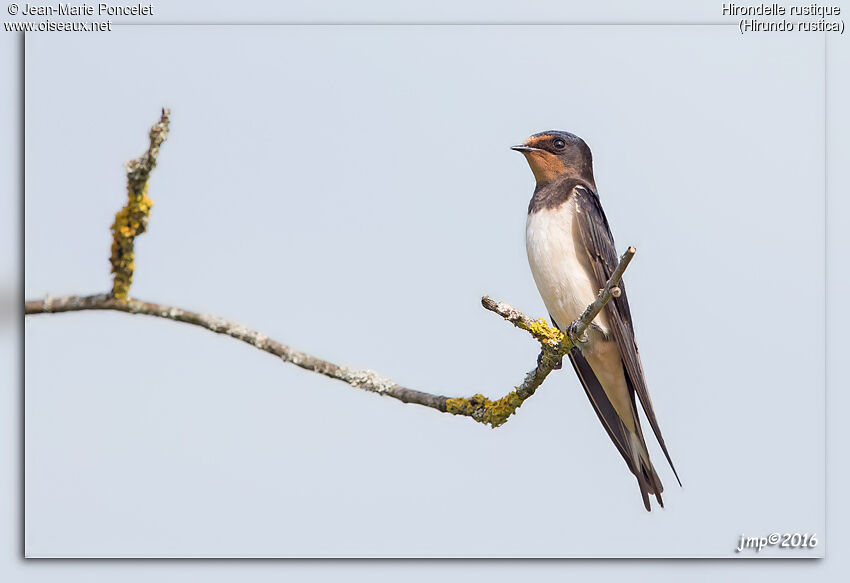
{"points": [[559, 263]]}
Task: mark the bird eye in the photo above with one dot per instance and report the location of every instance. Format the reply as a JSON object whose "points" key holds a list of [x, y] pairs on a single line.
{"points": [[559, 144]]}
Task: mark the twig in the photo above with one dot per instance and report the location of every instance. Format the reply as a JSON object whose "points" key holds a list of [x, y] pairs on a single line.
{"points": [[494, 413], [605, 294], [132, 220]]}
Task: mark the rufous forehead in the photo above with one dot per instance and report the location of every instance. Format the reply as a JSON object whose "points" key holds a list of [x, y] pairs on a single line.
{"points": [[536, 141]]}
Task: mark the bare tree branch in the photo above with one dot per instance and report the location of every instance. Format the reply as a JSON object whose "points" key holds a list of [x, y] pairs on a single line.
{"points": [[362, 379], [494, 413], [131, 221]]}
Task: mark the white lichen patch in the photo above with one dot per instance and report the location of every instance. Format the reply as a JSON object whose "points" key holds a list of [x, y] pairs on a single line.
{"points": [[367, 379]]}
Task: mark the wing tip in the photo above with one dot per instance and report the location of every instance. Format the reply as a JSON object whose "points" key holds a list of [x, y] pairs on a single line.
{"points": [[667, 455]]}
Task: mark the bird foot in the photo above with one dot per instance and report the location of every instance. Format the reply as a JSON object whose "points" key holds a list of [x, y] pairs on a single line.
{"points": [[572, 334]]}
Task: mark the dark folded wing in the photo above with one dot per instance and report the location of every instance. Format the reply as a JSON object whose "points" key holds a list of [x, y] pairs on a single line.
{"points": [[599, 242]]}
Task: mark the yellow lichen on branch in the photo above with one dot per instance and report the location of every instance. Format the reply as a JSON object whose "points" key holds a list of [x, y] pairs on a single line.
{"points": [[554, 345], [132, 220], [543, 332], [483, 410]]}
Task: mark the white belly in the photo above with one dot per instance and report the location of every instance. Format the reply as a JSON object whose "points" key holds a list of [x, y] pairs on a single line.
{"points": [[560, 265]]}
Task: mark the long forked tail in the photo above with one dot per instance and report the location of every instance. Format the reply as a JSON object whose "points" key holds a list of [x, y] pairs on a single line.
{"points": [[630, 444]]}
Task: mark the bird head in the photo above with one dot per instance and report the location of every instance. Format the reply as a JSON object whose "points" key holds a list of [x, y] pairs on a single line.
{"points": [[555, 153]]}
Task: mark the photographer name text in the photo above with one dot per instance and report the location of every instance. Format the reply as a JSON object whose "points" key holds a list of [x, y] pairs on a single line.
{"points": [[100, 9]]}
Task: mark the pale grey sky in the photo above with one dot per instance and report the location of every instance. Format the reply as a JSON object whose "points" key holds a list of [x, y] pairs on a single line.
{"points": [[318, 182]]}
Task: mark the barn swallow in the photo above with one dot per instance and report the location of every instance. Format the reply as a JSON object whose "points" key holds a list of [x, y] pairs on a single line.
{"points": [[572, 254]]}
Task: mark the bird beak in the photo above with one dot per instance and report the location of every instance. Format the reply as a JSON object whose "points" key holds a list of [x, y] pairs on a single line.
{"points": [[523, 148]]}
